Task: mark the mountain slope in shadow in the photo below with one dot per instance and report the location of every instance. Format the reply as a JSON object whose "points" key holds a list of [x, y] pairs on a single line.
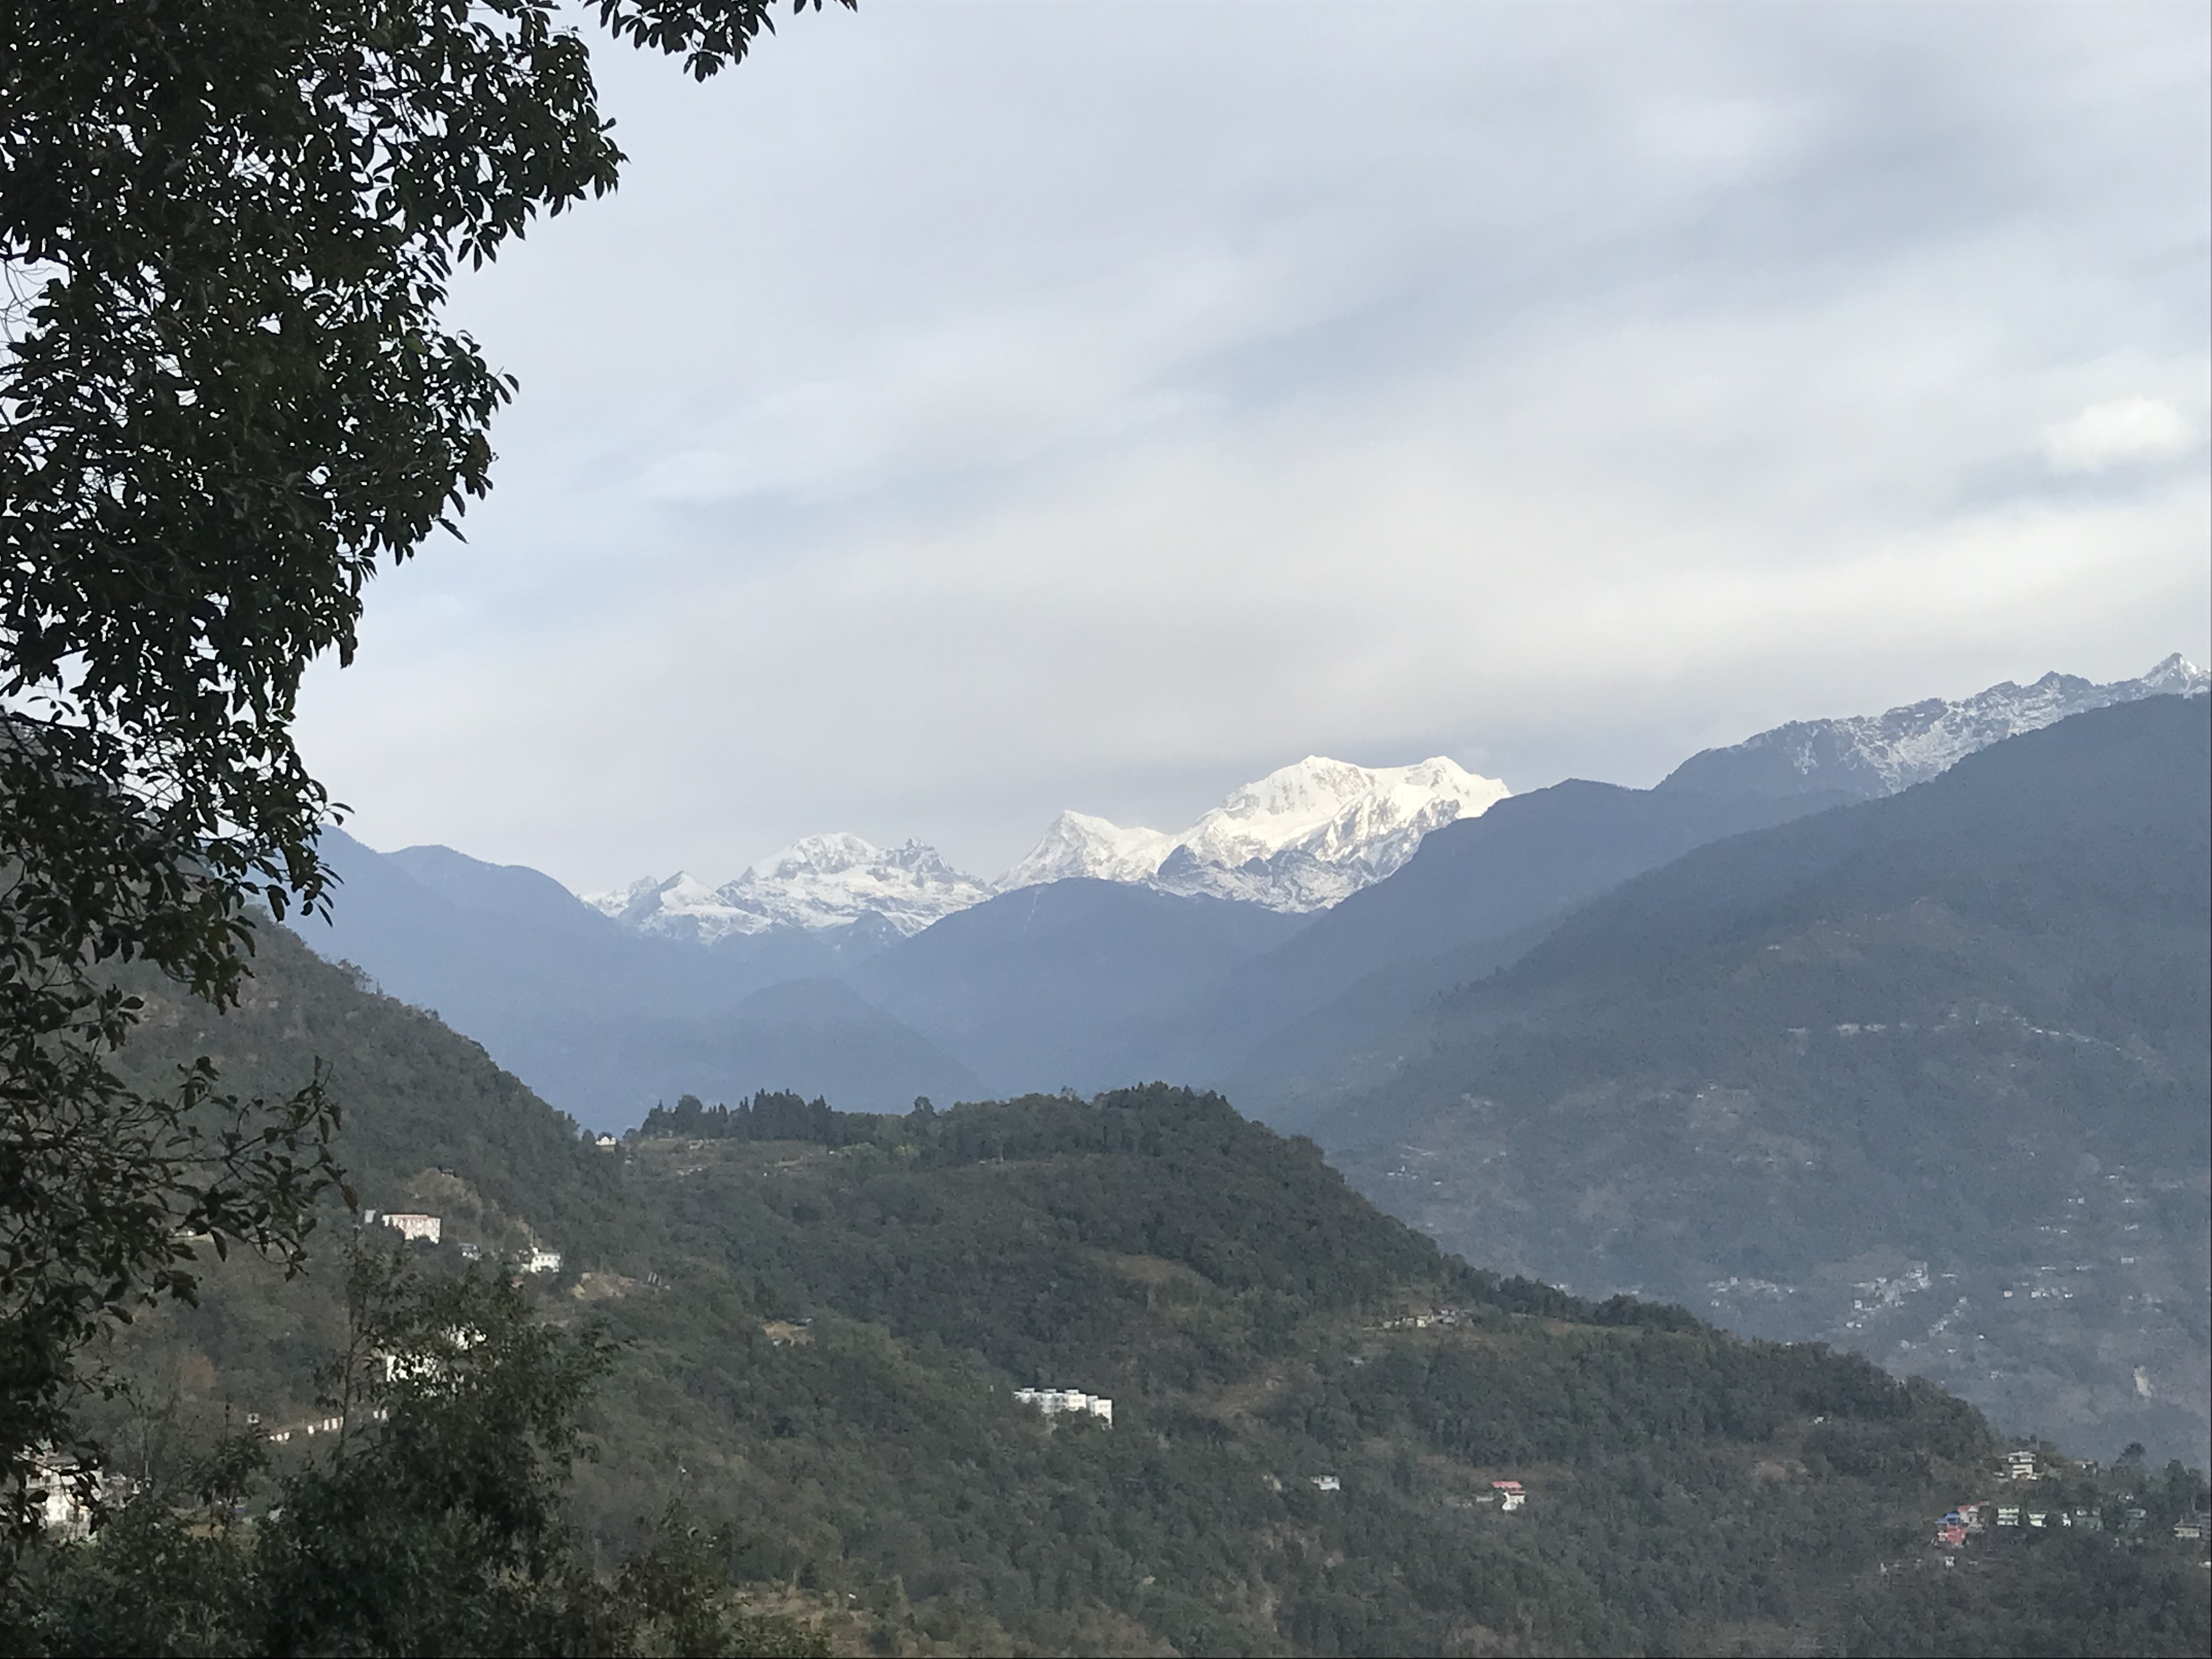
{"points": [[603, 1022], [1927, 1076]]}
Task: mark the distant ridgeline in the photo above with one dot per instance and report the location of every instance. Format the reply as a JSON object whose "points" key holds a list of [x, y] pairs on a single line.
{"points": [[766, 1116], [821, 1321]]}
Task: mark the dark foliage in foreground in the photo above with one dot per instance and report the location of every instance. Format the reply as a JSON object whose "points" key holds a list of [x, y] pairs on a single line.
{"points": [[432, 1523]]}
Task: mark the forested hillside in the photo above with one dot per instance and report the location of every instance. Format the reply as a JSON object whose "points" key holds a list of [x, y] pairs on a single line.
{"points": [[820, 1333], [1927, 1077]]}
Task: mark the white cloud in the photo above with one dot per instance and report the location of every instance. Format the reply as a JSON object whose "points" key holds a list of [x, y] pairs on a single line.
{"points": [[2117, 433], [968, 412]]}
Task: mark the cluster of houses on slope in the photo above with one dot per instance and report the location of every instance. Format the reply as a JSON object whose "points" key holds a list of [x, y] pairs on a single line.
{"points": [[430, 1230], [1507, 1495], [1421, 1321], [1957, 1526], [308, 1428]]}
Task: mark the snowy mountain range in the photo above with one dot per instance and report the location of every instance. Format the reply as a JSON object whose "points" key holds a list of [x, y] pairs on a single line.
{"points": [[823, 881], [1870, 755], [1311, 834], [1299, 838]]}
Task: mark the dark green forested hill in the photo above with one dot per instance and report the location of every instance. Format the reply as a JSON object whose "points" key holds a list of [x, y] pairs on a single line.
{"points": [[1926, 1077], [822, 1318]]}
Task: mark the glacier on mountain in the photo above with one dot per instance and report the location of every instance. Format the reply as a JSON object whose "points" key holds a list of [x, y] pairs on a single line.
{"points": [[1077, 845], [1310, 833], [1869, 756], [1300, 839], [822, 881]]}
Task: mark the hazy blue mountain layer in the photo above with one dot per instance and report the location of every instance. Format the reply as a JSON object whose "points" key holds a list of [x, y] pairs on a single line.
{"points": [[1476, 895], [1100, 983], [604, 1022], [1079, 983], [1926, 1076], [1065, 984]]}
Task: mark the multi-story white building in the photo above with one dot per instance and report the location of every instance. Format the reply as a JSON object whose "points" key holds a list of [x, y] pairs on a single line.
{"points": [[1052, 1402], [427, 1227], [66, 1509]]}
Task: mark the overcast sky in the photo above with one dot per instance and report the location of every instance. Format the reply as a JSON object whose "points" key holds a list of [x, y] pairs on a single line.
{"points": [[968, 410]]}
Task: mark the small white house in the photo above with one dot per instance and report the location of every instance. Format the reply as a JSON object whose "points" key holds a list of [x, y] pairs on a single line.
{"points": [[63, 1511], [1509, 1495], [425, 1227], [541, 1261], [1325, 1483], [411, 1367], [1052, 1402]]}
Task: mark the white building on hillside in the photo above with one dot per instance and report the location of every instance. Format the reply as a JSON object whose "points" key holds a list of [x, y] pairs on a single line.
{"points": [[63, 1510], [427, 1227], [1052, 1402]]}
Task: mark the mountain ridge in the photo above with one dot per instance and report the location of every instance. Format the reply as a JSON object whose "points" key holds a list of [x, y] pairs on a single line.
{"points": [[1926, 1076], [1869, 756], [818, 882], [1309, 835]]}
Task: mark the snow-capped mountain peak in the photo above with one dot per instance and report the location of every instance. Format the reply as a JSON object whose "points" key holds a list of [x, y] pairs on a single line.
{"points": [[633, 904], [1077, 844], [820, 881], [818, 855], [1311, 833], [1299, 838], [2175, 677], [1874, 755], [1337, 811]]}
